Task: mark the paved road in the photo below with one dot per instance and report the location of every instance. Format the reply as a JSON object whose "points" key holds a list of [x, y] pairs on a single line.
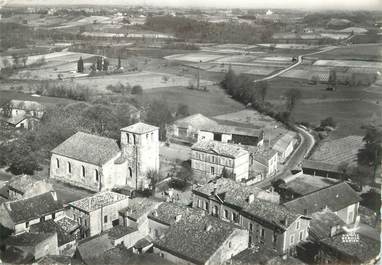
{"points": [[299, 61], [307, 142]]}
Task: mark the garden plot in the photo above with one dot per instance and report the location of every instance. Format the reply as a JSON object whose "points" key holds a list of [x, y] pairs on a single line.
{"points": [[237, 59], [348, 63], [147, 80], [289, 46], [307, 73], [195, 57]]}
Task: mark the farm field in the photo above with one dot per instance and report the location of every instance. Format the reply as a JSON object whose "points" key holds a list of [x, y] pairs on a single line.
{"points": [[42, 99], [147, 80], [195, 57], [365, 52], [348, 63], [211, 103], [349, 115]]}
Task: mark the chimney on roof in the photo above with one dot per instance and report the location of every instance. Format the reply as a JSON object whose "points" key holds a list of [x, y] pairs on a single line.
{"points": [[285, 221], [214, 191], [208, 228], [178, 218], [54, 195]]}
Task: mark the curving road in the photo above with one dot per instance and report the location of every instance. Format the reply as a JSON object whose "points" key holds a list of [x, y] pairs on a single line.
{"points": [[300, 59], [304, 148]]}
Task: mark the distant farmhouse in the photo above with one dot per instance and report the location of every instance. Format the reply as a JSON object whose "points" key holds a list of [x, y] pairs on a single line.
{"points": [[22, 114], [98, 163]]}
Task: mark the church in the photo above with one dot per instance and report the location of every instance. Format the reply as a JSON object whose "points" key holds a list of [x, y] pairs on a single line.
{"points": [[98, 163]]}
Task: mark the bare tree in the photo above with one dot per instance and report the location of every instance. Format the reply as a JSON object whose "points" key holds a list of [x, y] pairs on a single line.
{"points": [[6, 106]]}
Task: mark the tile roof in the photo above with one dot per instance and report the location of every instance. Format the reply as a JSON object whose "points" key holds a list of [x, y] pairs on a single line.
{"points": [[262, 154], [318, 165], [196, 121], [14, 120], [67, 224], [98, 200], [304, 183], [27, 239], [35, 207], [166, 213], [253, 256], [219, 148], [189, 238], [54, 260], [335, 197], [88, 148], [118, 231], [140, 206], [23, 183], [365, 250], [93, 247], [230, 129], [51, 226], [264, 206], [284, 141], [321, 223], [140, 128]]}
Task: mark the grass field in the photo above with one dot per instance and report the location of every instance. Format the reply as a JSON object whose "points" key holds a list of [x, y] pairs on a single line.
{"points": [[44, 100], [213, 102], [365, 52]]}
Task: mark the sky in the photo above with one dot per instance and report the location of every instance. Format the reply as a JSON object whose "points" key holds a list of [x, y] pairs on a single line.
{"points": [[291, 4]]}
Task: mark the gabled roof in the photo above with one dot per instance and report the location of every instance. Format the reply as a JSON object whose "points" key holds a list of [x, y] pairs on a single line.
{"points": [[318, 165], [219, 148], [98, 200], [322, 222], [335, 197], [166, 213], [262, 154], [284, 141], [35, 207], [363, 251], [190, 238], [27, 239], [23, 183], [88, 148], [230, 129], [51, 226], [140, 128], [93, 247], [140, 206], [196, 121]]}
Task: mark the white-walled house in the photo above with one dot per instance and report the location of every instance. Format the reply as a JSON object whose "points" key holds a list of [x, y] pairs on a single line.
{"points": [[19, 215], [209, 158], [284, 146]]}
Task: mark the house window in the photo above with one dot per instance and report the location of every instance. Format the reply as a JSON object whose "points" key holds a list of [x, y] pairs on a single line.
{"points": [[128, 138], [250, 227], [262, 232], [69, 168], [26, 224], [298, 225], [301, 235], [147, 136], [96, 174], [42, 219], [130, 172], [57, 163], [135, 139], [292, 239], [226, 214], [152, 136], [105, 219], [205, 205], [215, 211], [53, 216], [212, 170], [83, 171]]}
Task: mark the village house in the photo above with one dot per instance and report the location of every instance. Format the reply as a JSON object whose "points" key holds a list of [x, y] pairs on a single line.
{"points": [[210, 158], [232, 134], [188, 236], [22, 114], [66, 241], [270, 224], [30, 246], [339, 198], [90, 249], [26, 186], [300, 184], [284, 146], [98, 163], [18, 216], [97, 213], [136, 213], [263, 163], [188, 127]]}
